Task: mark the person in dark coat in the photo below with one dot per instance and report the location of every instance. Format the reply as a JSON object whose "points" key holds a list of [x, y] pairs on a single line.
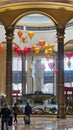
{"points": [[15, 112], [28, 110], [5, 114]]}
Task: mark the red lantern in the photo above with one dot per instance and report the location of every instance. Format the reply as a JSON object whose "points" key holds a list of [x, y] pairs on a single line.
{"points": [[56, 71], [20, 32], [27, 50], [19, 51], [42, 43], [23, 38], [15, 48], [69, 54], [51, 65], [69, 63]]}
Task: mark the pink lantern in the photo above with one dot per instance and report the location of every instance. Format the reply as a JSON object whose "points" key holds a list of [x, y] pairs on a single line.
{"points": [[27, 50], [69, 63], [56, 71], [15, 48], [69, 54], [19, 51], [51, 65]]}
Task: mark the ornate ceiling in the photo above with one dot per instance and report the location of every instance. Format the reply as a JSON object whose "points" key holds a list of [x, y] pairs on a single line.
{"points": [[3, 2]]}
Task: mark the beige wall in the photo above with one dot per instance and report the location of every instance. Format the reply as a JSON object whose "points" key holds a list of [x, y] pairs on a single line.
{"points": [[2, 72]]}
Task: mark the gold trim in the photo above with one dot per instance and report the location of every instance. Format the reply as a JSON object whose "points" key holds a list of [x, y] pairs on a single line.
{"points": [[24, 5]]}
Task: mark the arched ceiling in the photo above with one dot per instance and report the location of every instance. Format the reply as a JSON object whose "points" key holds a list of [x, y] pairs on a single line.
{"points": [[3, 2], [35, 20], [59, 11]]}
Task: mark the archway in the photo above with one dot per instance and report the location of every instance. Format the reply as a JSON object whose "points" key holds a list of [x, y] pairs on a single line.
{"points": [[42, 27]]}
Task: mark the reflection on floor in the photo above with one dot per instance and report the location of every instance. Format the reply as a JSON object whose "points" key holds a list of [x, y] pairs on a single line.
{"points": [[50, 124]]}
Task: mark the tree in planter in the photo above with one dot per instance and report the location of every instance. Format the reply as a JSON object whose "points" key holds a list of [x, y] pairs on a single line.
{"points": [[53, 100]]}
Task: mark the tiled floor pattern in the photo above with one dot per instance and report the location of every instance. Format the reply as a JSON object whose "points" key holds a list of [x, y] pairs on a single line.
{"points": [[50, 124]]}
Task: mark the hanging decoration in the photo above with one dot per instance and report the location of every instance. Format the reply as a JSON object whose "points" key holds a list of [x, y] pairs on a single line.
{"points": [[15, 47], [30, 68], [56, 71], [30, 34], [37, 50], [19, 51], [51, 65], [20, 33], [51, 46], [41, 43], [34, 46], [50, 51], [69, 63], [69, 54], [23, 38], [46, 52], [46, 46], [26, 50], [1, 47]]}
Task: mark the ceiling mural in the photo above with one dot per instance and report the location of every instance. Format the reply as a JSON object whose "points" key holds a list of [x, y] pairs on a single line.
{"points": [[3, 2]]}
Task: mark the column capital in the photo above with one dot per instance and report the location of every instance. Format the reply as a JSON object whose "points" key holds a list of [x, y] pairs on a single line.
{"points": [[9, 33], [60, 31]]}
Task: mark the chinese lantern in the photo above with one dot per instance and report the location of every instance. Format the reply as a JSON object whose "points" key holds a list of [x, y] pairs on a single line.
{"points": [[42, 43], [34, 46], [20, 33], [26, 50], [37, 50], [23, 38], [56, 71], [46, 46], [51, 65], [1, 47], [19, 51], [50, 51], [15, 48], [30, 68], [30, 34], [46, 52], [69, 54], [69, 63], [51, 46], [29, 49]]}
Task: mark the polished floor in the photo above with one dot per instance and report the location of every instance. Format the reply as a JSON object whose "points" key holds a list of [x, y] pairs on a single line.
{"points": [[43, 124]]}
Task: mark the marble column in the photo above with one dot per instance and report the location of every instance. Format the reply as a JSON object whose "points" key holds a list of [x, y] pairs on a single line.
{"points": [[9, 38], [23, 75], [60, 86]]}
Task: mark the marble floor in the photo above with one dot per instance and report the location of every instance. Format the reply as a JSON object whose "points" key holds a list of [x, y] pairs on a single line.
{"points": [[43, 124]]}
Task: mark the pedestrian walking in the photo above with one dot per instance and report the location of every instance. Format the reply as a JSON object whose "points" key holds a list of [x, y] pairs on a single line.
{"points": [[28, 111], [15, 111], [5, 114]]}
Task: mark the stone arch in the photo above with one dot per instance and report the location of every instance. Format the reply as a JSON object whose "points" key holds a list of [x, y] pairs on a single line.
{"points": [[34, 12], [68, 45]]}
